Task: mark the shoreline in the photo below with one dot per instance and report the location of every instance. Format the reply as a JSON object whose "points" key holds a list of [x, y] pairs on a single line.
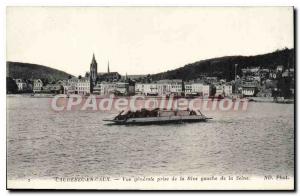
{"points": [[250, 99]]}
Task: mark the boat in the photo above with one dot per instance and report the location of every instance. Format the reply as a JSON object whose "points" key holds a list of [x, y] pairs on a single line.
{"points": [[158, 116]]}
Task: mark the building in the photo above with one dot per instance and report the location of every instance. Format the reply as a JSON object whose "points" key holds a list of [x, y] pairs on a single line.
{"points": [[134, 77], [264, 73], [63, 84], [107, 88], [249, 91], [131, 88], [93, 72], [146, 89], [109, 77], [219, 90], [53, 88], [84, 86], [249, 88], [125, 88], [257, 78], [196, 88], [223, 90], [250, 71], [122, 88], [169, 87], [199, 89], [97, 89], [206, 90], [227, 89], [80, 85], [38, 85], [23, 85], [188, 89], [71, 86], [163, 89], [139, 90], [279, 68], [211, 80], [288, 73], [272, 75]]}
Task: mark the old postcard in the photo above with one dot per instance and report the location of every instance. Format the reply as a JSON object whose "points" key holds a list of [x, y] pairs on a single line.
{"points": [[150, 98]]}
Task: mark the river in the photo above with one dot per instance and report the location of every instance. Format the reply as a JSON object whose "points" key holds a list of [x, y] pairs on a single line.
{"points": [[42, 143]]}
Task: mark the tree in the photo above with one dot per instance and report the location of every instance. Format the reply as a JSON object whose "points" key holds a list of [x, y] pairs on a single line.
{"points": [[11, 86]]}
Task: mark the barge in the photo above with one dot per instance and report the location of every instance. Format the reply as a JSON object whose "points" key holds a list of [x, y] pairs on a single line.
{"points": [[158, 116]]}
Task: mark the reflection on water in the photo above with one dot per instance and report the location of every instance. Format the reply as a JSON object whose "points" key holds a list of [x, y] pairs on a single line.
{"points": [[42, 143]]}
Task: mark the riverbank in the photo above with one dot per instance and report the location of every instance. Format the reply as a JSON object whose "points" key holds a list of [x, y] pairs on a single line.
{"points": [[270, 100], [250, 99], [31, 95]]}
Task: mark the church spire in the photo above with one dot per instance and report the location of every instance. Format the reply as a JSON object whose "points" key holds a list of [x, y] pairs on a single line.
{"points": [[93, 71], [94, 59], [108, 67]]}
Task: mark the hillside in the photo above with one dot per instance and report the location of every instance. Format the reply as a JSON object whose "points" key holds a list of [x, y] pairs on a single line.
{"points": [[223, 67], [33, 71]]}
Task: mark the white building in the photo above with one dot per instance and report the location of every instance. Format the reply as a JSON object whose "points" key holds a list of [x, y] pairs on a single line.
{"points": [[188, 89], [146, 88], [201, 89], [248, 91], [138, 88], [223, 90], [172, 87], [197, 89], [249, 88], [22, 84], [169, 87], [122, 88], [227, 90], [76, 85], [38, 85], [71, 86], [83, 86], [205, 90], [97, 88], [219, 90], [107, 88], [163, 89]]}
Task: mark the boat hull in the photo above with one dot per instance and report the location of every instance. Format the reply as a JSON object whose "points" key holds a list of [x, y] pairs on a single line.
{"points": [[161, 120]]}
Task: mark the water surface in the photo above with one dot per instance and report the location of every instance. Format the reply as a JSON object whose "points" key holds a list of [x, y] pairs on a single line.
{"points": [[42, 143]]}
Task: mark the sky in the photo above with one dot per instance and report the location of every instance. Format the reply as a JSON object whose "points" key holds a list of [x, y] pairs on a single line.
{"points": [[142, 40]]}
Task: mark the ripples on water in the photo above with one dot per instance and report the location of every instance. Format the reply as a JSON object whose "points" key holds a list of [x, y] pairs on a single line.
{"points": [[42, 143]]}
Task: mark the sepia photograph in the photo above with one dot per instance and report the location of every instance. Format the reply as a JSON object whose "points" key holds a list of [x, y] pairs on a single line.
{"points": [[150, 98]]}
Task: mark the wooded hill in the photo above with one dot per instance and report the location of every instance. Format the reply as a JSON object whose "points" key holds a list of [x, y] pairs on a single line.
{"points": [[33, 71], [224, 67]]}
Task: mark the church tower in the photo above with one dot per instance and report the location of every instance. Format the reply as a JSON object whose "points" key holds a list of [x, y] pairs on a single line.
{"points": [[93, 72]]}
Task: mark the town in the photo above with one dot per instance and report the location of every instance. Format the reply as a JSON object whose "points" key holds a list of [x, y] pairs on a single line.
{"points": [[253, 82]]}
